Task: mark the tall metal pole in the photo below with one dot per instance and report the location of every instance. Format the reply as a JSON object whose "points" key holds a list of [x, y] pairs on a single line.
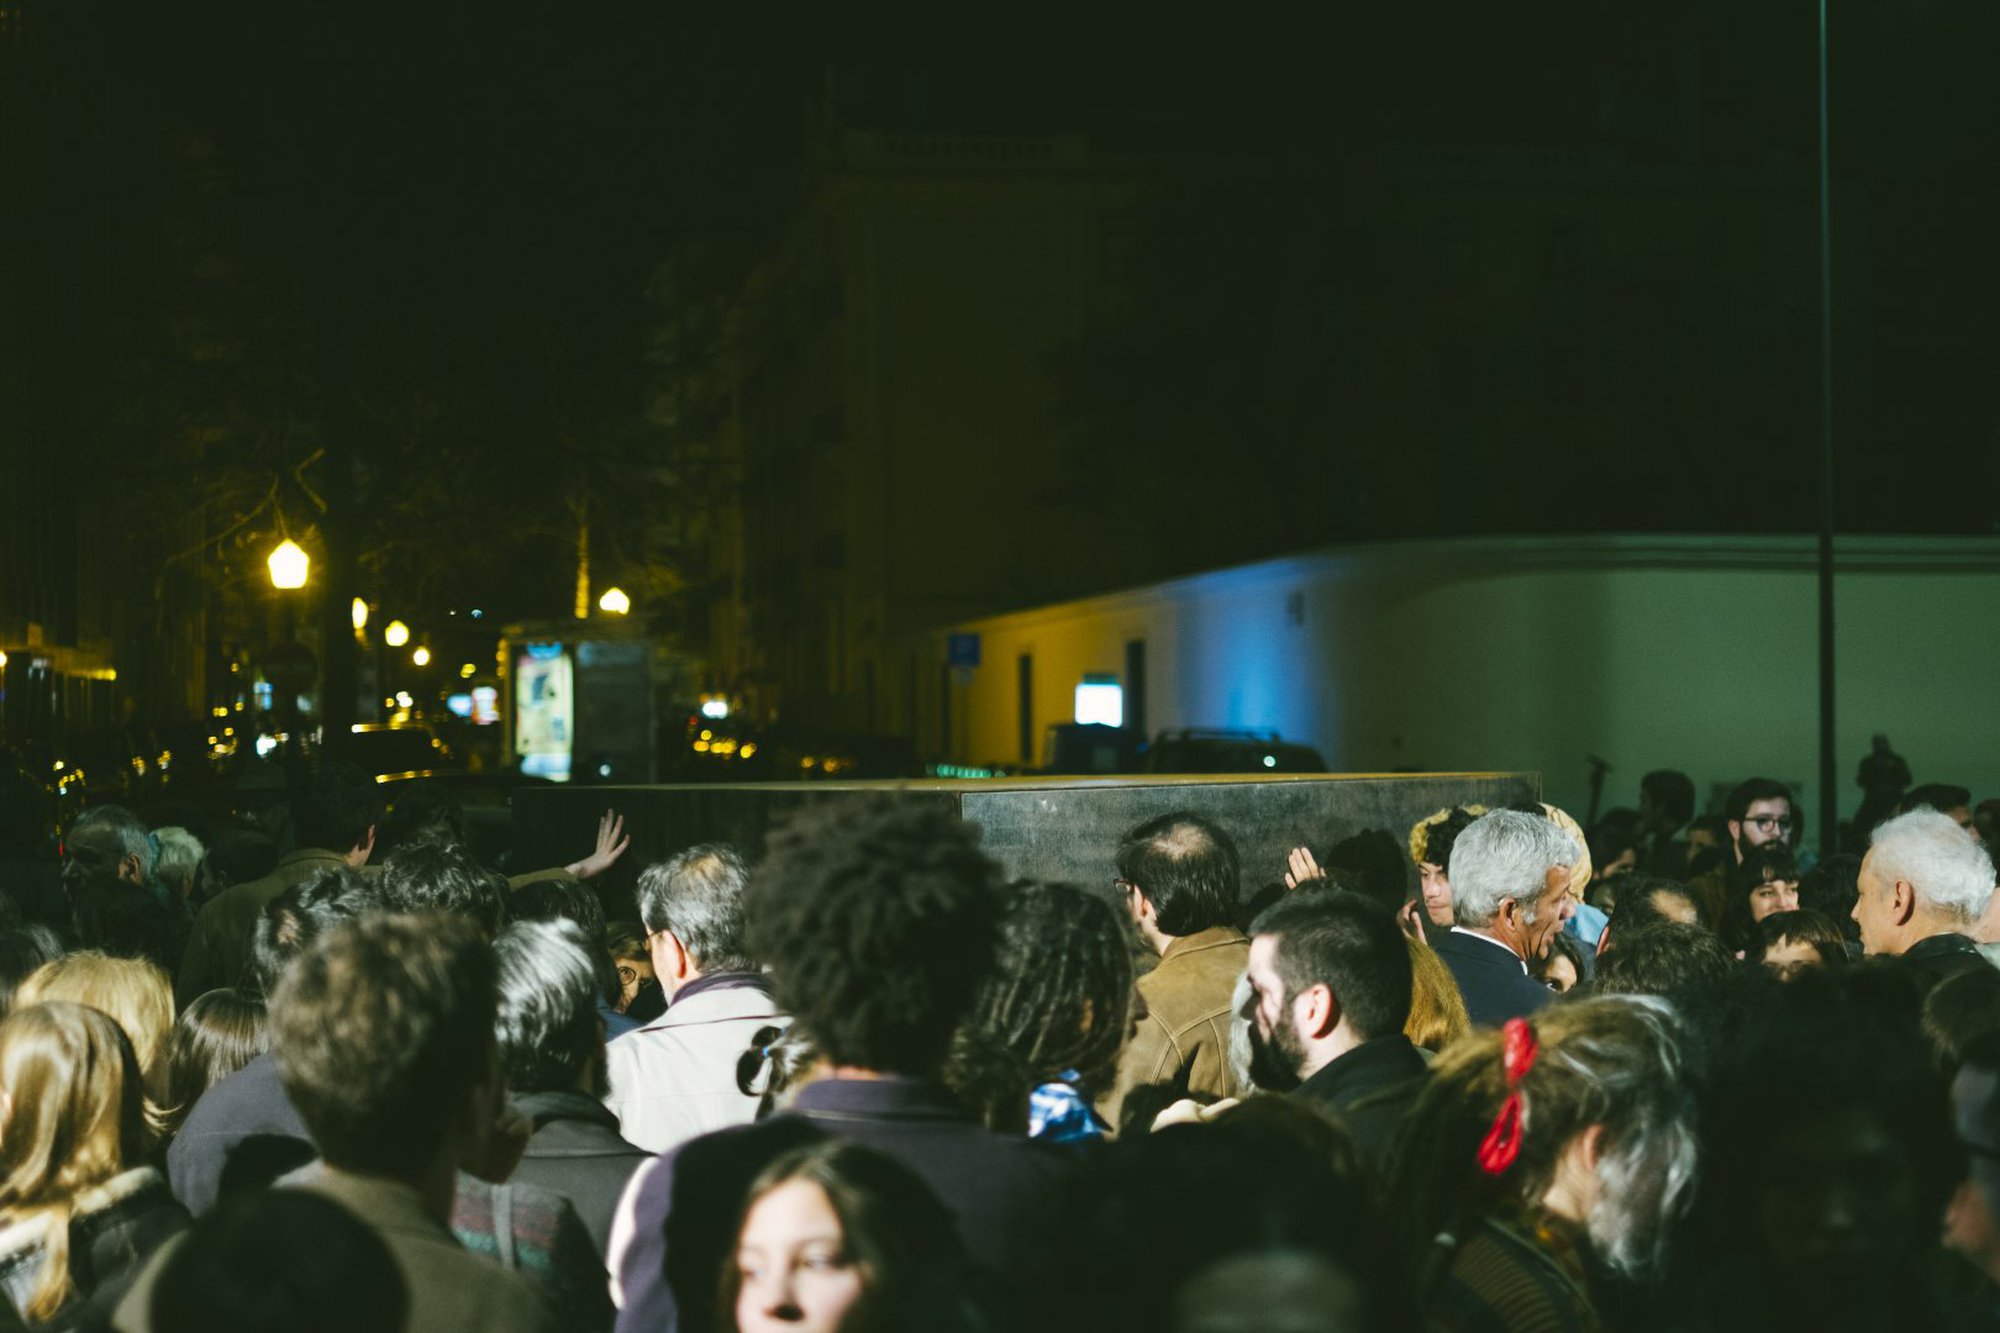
{"points": [[1829, 801]]}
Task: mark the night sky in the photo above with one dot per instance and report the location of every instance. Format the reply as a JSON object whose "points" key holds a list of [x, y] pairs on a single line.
{"points": [[248, 243]]}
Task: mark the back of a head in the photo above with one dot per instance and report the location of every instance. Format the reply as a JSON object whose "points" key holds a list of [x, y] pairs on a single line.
{"points": [[1950, 870], [74, 1115], [23, 949], [560, 897], [301, 914], [280, 1259], [1060, 992], [549, 1033], [1188, 869], [1376, 863], [1670, 960], [1748, 792], [1616, 1062], [1942, 797], [1152, 1210], [698, 895], [424, 811], [432, 877], [133, 991], [381, 1030], [215, 1036], [1671, 793], [877, 922], [1352, 946], [1505, 854], [180, 854], [338, 807], [1831, 889], [1963, 1011], [1640, 908], [1838, 1060], [1432, 838]]}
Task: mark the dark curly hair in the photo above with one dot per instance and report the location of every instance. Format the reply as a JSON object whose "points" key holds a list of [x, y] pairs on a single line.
{"points": [[1058, 999], [876, 919]]}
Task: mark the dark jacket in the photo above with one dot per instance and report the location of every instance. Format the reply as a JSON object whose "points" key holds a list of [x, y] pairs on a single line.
{"points": [[218, 946], [1491, 977], [117, 1226], [242, 1133], [1938, 957], [1002, 1189], [576, 1152], [1368, 1091]]}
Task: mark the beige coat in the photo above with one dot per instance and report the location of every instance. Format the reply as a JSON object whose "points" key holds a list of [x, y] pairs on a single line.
{"points": [[675, 1078], [1183, 1041]]}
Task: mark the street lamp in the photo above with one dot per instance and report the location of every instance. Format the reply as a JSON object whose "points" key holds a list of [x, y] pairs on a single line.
{"points": [[288, 563], [615, 601], [359, 612], [422, 657], [396, 634]]}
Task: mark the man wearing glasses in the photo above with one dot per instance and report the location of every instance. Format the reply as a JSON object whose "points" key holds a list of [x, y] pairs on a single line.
{"points": [[1179, 879], [1758, 811]]}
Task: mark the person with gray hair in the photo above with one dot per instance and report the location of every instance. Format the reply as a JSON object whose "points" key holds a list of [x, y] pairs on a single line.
{"points": [[1510, 895], [552, 1052], [1924, 884], [178, 862], [676, 1077]]}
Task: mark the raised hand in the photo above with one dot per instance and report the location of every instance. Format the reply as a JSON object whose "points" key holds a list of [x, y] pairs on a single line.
{"points": [[1302, 867], [611, 844]]}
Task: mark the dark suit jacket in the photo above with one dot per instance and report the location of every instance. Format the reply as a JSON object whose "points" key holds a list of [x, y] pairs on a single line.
{"points": [[1003, 1189], [576, 1152], [1368, 1091], [243, 1133], [1495, 984]]}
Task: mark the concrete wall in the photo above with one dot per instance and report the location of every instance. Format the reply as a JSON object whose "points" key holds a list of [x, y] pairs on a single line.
{"points": [[1527, 655]]}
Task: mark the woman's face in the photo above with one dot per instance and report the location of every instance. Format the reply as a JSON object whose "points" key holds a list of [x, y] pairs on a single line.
{"points": [[1774, 895], [793, 1264], [1437, 894]]}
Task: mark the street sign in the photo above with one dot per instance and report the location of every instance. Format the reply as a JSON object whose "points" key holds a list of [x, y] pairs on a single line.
{"points": [[962, 650]]}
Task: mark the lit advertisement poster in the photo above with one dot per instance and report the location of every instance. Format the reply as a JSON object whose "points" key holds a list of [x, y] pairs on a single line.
{"points": [[544, 711]]}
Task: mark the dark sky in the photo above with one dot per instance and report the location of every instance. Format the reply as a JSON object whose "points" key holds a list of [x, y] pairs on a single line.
{"points": [[453, 209]]}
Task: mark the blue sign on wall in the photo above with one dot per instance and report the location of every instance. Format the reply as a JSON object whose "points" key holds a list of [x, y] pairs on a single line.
{"points": [[962, 650]]}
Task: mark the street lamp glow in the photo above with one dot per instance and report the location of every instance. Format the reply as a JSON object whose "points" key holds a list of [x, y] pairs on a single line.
{"points": [[360, 614], [422, 657], [396, 634], [288, 565], [615, 601], [467, 671]]}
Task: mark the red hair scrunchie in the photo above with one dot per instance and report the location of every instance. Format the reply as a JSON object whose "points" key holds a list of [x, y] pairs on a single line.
{"points": [[1517, 1056]]}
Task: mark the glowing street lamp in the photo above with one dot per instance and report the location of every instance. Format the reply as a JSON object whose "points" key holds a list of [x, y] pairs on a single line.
{"points": [[422, 657], [288, 565], [615, 601], [396, 634], [360, 614]]}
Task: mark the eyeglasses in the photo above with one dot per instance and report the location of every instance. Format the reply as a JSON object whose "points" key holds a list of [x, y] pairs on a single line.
{"points": [[1769, 823], [627, 974]]}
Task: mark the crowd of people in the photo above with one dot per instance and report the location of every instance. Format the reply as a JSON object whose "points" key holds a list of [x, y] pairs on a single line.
{"points": [[1663, 1074]]}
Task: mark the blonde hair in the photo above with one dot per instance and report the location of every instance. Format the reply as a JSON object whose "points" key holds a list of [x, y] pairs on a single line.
{"points": [[73, 1120], [1437, 1010], [135, 993], [1420, 832]]}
